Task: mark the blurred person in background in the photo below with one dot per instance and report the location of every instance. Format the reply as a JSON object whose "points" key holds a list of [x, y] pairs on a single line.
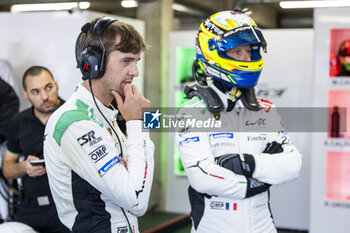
{"points": [[35, 206]]}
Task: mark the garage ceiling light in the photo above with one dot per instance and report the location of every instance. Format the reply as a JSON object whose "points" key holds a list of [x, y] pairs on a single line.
{"points": [[314, 4], [129, 3], [49, 6]]}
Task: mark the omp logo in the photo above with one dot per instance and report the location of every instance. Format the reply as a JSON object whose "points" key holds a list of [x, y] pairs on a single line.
{"points": [[122, 229], [217, 205], [98, 154], [103, 170], [89, 137]]}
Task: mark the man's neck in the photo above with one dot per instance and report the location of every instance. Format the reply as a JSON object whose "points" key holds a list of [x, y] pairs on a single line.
{"points": [[43, 117], [100, 95]]}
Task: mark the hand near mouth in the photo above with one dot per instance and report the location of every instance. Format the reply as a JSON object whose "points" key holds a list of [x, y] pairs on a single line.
{"points": [[134, 102]]}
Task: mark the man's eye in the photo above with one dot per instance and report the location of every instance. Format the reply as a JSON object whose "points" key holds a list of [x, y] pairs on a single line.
{"points": [[48, 88], [237, 52], [35, 92]]}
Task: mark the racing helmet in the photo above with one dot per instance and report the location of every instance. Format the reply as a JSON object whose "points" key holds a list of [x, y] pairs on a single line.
{"points": [[344, 54], [225, 30]]}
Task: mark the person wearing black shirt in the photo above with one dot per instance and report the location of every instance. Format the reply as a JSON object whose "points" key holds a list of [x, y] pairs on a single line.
{"points": [[35, 207]]}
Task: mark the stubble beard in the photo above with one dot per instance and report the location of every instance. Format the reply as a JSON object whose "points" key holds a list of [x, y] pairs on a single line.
{"points": [[48, 110]]}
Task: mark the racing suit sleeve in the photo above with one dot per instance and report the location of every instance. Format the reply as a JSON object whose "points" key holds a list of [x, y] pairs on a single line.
{"points": [[203, 173], [95, 158], [278, 168]]}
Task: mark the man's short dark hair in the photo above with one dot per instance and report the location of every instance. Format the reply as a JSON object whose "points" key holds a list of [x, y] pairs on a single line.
{"points": [[131, 40], [33, 71]]}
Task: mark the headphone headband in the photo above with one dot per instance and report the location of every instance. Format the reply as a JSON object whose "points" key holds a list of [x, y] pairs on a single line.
{"points": [[91, 60], [101, 25]]}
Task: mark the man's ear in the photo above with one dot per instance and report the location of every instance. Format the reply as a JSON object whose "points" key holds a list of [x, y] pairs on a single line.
{"points": [[25, 95], [56, 84]]}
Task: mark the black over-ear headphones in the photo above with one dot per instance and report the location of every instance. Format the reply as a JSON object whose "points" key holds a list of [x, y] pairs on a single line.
{"points": [[91, 60]]}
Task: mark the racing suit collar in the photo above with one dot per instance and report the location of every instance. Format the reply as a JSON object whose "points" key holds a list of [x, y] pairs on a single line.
{"points": [[111, 113]]}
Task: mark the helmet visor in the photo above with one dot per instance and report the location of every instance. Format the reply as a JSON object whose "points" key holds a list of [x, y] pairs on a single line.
{"points": [[242, 37]]}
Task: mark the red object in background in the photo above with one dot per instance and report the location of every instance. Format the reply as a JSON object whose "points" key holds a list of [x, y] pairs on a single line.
{"points": [[340, 99], [335, 122], [334, 65], [338, 176]]}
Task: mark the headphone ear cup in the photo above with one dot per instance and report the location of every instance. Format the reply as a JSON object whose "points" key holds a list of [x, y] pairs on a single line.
{"points": [[90, 62]]}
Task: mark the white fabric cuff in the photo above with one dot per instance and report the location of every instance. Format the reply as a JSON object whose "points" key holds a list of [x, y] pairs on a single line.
{"points": [[135, 131]]}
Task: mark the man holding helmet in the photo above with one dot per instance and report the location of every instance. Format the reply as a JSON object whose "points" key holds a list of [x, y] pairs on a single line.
{"points": [[230, 171]]}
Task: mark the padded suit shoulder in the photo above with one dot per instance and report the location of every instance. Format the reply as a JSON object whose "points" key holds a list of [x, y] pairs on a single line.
{"points": [[82, 112]]}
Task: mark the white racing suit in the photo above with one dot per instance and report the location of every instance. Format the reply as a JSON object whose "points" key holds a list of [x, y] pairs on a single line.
{"points": [[223, 200], [89, 185]]}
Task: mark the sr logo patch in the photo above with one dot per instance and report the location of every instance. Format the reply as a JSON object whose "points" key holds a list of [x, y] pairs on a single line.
{"points": [[89, 137], [98, 154]]}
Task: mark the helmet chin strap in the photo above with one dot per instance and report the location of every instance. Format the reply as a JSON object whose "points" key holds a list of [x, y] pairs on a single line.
{"points": [[234, 95], [247, 96]]}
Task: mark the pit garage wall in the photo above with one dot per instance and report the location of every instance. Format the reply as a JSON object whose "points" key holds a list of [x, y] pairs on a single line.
{"points": [[48, 39], [330, 161], [286, 80]]}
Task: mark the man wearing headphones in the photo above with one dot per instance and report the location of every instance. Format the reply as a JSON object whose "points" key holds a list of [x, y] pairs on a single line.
{"points": [[230, 169], [100, 179], [35, 206]]}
